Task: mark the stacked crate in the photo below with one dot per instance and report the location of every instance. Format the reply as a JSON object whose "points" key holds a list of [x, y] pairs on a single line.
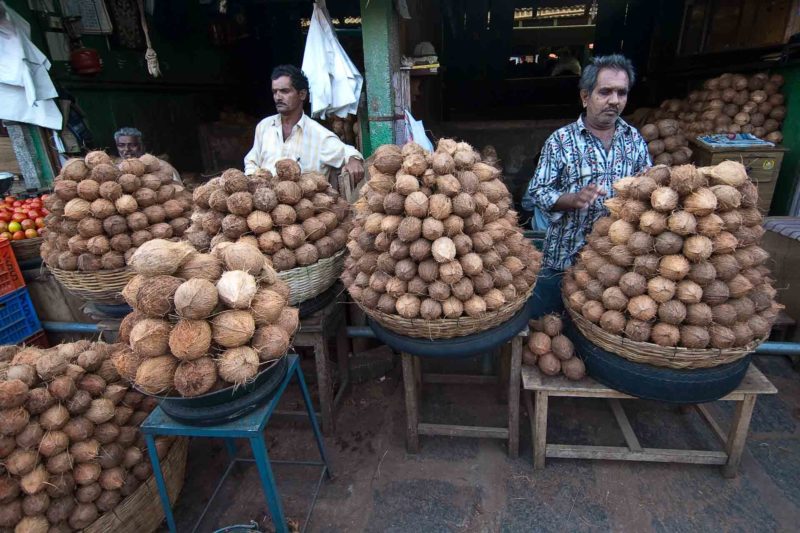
{"points": [[19, 323]]}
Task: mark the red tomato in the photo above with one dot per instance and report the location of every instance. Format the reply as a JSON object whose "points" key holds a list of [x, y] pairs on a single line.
{"points": [[5, 235], [27, 224], [44, 211], [33, 214], [5, 216], [39, 222], [31, 233], [19, 217], [3, 226], [10, 200], [44, 197], [18, 235], [17, 203]]}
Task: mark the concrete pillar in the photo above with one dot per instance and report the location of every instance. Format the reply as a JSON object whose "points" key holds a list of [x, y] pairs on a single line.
{"points": [[379, 32]]}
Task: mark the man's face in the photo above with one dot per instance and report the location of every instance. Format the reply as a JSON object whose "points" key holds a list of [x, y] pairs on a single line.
{"points": [[608, 98], [129, 146], [287, 98]]}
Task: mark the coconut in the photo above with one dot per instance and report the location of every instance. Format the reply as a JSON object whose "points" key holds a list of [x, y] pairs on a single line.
{"points": [[267, 306], [726, 266], [697, 248], [653, 222], [701, 202], [620, 255], [236, 289], [665, 334], [682, 223], [609, 275], [642, 307], [154, 297], [602, 225], [150, 336], [612, 321], [160, 257], [664, 199], [614, 299], [640, 243], [739, 286], [730, 173], [660, 289], [190, 339], [668, 243], [13, 393], [155, 375], [193, 378], [725, 243], [592, 311], [270, 342], [439, 206], [576, 300], [620, 231], [632, 284], [443, 249], [594, 290], [232, 328], [674, 267], [710, 225]]}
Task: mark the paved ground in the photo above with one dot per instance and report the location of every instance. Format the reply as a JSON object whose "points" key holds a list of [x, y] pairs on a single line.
{"points": [[471, 485]]}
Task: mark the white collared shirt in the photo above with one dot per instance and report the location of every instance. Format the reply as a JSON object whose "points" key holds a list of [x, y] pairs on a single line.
{"points": [[313, 146]]}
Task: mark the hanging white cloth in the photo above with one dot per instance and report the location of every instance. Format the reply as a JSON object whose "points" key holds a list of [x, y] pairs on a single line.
{"points": [[26, 91], [334, 81]]}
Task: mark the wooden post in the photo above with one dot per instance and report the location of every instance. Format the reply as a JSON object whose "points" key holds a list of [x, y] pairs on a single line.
{"points": [[738, 435], [324, 385], [539, 436], [503, 369], [513, 396], [343, 358], [412, 406]]}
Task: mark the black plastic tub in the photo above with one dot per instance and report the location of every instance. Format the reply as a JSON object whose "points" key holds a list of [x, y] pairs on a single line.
{"points": [[320, 301], [227, 404]]}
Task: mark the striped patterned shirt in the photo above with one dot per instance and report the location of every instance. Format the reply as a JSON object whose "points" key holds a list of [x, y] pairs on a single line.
{"points": [[312, 145], [572, 158]]}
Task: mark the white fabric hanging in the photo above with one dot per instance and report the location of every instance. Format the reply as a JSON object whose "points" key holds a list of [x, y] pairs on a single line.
{"points": [[26, 91], [334, 81]]}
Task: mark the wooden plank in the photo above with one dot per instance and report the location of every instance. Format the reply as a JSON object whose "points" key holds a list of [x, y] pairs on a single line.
{"points": [[526, 397], [754, 382], [513, 397], [451, 430], [412, 406], [706, 416], [324, 384], [621, 453], [459, 379], [540, 430], [738, 435], [625, 425]]}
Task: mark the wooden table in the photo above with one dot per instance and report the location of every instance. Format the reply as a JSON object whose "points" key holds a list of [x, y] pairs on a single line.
{"points": [[534, 382], [314, 332], [413, 378]]}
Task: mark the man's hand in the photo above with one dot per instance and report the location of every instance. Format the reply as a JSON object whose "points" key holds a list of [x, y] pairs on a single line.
{"points": [[355, 168], [579, 200]]}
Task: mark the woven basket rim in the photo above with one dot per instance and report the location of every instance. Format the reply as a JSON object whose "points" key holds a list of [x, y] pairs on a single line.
{"points": [[296, 271], [471, 325], [309, 281], [676, 357]]}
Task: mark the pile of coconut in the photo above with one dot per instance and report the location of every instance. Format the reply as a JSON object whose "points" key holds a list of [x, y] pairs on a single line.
{"points": [[550, 350], [69, 437], [732, 103], [678, 262], [666, 143], [202, 322], [295, 219], [101, 212], [435, 237]]}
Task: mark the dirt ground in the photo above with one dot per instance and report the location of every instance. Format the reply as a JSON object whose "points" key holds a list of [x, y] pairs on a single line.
{"points": [[459, 484]]}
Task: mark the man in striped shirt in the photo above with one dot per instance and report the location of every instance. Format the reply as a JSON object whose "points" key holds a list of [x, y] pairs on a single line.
{"points": [[292, 134], [578, 165]]}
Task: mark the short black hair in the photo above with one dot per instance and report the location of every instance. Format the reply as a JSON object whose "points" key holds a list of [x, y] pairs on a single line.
{"points": [[613, 62], [299, 80]]}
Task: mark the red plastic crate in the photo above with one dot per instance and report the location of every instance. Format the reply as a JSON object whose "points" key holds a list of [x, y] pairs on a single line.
{"points": [[10, 276], [37, 339]]}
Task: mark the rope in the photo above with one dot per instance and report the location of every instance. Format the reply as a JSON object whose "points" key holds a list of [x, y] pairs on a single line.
{"points": [[150, 55]]}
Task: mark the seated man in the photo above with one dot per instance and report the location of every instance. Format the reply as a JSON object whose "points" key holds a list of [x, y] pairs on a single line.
{"points": [[130, 144], [293, 135], [579, 164]]}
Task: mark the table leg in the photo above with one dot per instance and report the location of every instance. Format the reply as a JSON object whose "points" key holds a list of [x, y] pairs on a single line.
{"points": [[343, 358], [738, 435], [268, 483], [503, 369], [312, 417], [162, 486], [418, 377], [412, 405], [515, 371], [540, 430], [230, 446], [324, 384]]}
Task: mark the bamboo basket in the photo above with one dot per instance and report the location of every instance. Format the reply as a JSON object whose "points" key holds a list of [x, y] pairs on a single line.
{"points": [[102, 286], [141, 512], [652, 354], [27, 249], [447, 328], [309, 281]]}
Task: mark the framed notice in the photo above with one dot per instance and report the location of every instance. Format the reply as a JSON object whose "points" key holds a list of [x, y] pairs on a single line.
{"points": [[93, 13]]}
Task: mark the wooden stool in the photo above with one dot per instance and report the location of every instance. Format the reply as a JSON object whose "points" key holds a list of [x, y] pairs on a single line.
{"points": [[314, 332], [413, 379], [534, 382]]}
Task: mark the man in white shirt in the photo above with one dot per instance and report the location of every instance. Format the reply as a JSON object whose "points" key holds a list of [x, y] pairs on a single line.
{"points": [[293, 135]]}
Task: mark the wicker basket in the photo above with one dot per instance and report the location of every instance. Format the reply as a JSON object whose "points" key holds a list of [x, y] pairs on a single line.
{"points": [[310, 281], [27, 249], [141, 512], [652, 354], [447, 328], [102, 286]]}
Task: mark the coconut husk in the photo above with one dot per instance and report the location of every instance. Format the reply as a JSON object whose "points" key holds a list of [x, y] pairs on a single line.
{"points": [[160, 257], [232, 328], [155, 375]]}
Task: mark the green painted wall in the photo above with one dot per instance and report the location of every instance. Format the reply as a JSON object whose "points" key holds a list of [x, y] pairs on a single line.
{"points": [[787, 181], [381, 49]]}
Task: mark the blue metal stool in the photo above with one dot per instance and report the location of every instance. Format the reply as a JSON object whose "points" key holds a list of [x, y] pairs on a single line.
{"points": [[250, 427]]}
